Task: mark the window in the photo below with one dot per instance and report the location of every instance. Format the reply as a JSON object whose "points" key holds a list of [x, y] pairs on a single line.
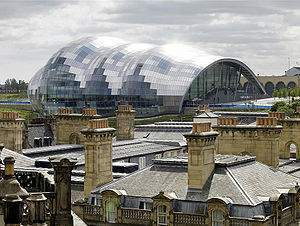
{"points": [[162, 215], [217, 218], [142, 162], [158, 156], [111, 212], [142, 205]]}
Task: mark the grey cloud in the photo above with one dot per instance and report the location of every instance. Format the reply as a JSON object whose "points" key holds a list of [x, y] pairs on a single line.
{"points": [[25, 8], [261, 33]]}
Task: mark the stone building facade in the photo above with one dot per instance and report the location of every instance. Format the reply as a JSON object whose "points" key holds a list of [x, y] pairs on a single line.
{"points": [[260, 140], [67, 125], [11, 130], [200, 189]]}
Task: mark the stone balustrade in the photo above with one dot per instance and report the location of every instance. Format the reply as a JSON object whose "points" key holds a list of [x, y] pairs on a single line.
{"points": [[287, 216], [135, 215], [92, 210], [189, 219]]}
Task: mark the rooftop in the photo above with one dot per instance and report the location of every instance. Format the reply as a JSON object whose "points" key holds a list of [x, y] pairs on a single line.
{"points": [[239, 178], [121, 150]]}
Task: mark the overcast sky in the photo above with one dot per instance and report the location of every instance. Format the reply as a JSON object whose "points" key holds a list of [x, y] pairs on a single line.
{"points": [[263, 34]]}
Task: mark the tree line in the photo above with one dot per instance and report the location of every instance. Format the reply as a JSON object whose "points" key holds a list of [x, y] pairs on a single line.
{"points": [[14, 85], [285, 92]]}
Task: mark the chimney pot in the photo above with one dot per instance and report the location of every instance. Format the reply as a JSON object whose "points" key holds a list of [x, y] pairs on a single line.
{"points": [[9, 171]]}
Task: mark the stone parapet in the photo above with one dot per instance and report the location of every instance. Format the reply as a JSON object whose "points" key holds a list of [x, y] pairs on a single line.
{"points": [[261, 140]]}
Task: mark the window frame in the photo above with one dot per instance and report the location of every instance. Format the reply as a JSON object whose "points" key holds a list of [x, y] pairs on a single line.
{"points": [[111, 216], [162, 214], [217, 218]]}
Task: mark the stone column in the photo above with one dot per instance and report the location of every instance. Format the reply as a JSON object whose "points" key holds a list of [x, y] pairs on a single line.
{"points": [[62, 177]]}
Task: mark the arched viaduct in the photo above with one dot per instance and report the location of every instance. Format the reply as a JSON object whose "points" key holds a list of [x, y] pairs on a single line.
{"points": [[273, 82]]}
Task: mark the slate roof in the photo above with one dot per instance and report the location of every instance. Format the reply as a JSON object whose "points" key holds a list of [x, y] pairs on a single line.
{"points": [[22, 161], [164, 131], [244, 182], [207, 114], [39, 130], [291, 167], [121, 150]]}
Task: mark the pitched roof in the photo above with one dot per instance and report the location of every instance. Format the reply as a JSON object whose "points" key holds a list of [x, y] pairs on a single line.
{"points": [[121, 150], [22, 161], [245, 182]]}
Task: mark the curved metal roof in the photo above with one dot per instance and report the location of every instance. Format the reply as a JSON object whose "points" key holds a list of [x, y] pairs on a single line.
{"points": [[120, 68]]}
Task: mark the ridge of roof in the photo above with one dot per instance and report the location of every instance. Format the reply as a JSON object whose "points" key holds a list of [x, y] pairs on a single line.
{"points": [[97, 189], [236, 183]]}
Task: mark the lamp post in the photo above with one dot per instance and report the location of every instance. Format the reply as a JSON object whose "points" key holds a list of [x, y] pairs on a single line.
{"points": [[37, 208], [13, 210]]}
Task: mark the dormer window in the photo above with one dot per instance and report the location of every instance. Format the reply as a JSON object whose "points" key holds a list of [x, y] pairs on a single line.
{"points": [[217, 218], [162, 215]]}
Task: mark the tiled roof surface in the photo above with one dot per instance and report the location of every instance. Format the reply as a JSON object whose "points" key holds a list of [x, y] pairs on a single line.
{"points": [[244, 182], [39, 130], [21, 160], [207, 115], [121, 150]]}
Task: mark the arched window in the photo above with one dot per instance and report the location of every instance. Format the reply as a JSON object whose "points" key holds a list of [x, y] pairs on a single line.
{"points": [[162, 215], [280, 85], [269, 87], [217, 218], [292, 148], [111, 212], [74, 139], [291, 85]]}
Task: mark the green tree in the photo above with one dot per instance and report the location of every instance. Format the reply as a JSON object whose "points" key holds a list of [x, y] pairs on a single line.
{"points": [[278, 105]]}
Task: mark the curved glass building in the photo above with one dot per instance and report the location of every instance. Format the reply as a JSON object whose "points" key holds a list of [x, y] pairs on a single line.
{"points": [[101, 72]]}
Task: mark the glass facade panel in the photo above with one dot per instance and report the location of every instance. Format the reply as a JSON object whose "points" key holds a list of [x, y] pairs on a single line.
{"points": [[101, 72]]}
